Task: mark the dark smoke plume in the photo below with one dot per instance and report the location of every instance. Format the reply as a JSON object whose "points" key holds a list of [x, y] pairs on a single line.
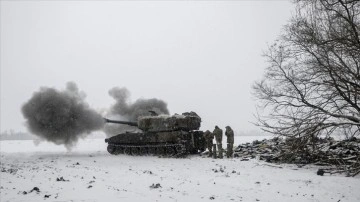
{"points": [[61, 117], [127, 111]]}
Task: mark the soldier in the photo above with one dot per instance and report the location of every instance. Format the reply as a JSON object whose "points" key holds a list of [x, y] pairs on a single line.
{"points": [[209, 141], [218, 133], [230, 141]]}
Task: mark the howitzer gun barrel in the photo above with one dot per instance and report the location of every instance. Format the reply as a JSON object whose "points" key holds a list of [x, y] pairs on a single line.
{"points": [[121, 122]]}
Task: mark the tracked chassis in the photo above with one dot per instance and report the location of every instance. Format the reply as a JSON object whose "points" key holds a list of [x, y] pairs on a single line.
{"points": [[172, 144]]}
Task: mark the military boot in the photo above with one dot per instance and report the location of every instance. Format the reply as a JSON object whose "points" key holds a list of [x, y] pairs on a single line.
{"points": [[228, 150], [220, 151], [210, 152], [214, 151]]}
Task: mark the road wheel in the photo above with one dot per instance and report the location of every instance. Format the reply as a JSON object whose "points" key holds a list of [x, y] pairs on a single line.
{"points": [[152, 150], [120, 150], [160, 151], [127, 150], [143, 151], [179, 149], [135, 151], [170, 151]]}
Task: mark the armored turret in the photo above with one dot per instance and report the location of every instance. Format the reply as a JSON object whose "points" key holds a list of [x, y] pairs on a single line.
{"points": [[161, 123]]}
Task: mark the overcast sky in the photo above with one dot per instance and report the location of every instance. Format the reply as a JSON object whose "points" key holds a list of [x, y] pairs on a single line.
{"points": [[200, 56]]}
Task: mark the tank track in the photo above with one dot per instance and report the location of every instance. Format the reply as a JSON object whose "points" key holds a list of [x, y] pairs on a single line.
{"points": [[167, 150]]}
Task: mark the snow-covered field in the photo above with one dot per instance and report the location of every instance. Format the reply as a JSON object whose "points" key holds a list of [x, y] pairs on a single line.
{"points": [[91, 174]]}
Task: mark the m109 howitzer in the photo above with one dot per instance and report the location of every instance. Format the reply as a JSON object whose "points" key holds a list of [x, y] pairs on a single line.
{"points": [[175, 135]]}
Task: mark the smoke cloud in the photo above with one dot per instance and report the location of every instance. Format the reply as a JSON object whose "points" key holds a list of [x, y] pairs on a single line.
{"points": [[127, 111], [61, 117]]}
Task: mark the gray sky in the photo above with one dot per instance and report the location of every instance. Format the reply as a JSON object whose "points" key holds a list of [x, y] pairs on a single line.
{"points": [[200, 56]]}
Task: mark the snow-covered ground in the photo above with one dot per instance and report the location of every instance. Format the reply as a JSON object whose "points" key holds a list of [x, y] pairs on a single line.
{"points": [[91, 174]]}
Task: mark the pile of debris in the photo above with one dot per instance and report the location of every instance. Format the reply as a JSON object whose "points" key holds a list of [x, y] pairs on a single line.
{"points": [[338, 156]]}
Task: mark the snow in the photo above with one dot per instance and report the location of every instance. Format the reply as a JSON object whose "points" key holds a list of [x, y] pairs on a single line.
{"points": [[95, 175]]}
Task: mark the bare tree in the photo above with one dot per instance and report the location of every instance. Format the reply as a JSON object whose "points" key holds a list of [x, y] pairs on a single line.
{"points": [[312, 84]]}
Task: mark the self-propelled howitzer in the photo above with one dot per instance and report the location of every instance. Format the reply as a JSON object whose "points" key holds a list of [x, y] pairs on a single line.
{"points": [[175, 135]]}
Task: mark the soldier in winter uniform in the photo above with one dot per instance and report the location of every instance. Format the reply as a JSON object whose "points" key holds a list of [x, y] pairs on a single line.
{"points": [[209, 141], [218, 133], [230, 141]]}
